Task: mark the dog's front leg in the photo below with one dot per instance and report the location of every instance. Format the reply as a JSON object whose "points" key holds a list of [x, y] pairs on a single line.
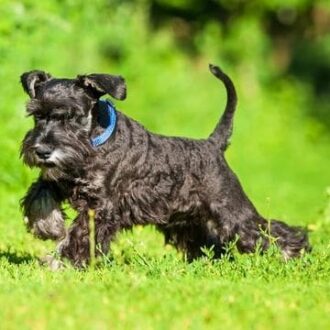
{"points": [[76, 247], [43, 215]]}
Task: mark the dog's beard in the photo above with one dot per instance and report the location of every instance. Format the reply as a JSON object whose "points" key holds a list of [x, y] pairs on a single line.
{"points": [[67, 160], [64, 163], [53, 174], [53, 168]]}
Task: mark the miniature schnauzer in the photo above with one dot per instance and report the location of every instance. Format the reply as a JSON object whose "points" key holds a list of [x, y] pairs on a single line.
{"points": [[96, 158]]}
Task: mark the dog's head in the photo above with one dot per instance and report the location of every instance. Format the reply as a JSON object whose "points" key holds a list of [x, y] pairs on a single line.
{"points": [[64, 111]]}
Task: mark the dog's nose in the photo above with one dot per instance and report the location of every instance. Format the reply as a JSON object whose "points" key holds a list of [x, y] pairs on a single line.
{"points": [[43, 151]]}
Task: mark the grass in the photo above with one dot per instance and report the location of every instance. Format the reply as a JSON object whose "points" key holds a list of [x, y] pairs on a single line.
{"points": [[144, 286], [281, 160]]}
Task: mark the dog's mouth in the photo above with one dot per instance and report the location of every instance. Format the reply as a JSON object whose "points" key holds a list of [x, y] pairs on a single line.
{"points": [[46, 164]]}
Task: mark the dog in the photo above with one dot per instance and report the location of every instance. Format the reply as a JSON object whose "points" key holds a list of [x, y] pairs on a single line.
{"points": [[96, 158]]}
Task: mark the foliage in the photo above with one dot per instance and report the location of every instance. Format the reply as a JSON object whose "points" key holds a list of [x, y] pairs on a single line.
{"points": [[280, 151]]}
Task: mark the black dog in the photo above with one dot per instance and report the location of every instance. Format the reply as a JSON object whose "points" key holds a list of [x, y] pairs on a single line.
{"points": [[96, 158]]}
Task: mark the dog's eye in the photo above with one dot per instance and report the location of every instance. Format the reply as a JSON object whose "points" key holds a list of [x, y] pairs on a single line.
{"points": [[62, 115], [58, 117], [69, 116], [39, 117]]}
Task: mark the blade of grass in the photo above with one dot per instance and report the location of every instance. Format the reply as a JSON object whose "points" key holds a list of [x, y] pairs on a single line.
{"points": [[91, 225]]}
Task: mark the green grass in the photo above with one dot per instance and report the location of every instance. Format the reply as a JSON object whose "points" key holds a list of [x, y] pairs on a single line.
{"points": [[278, 153], [144, 286]]}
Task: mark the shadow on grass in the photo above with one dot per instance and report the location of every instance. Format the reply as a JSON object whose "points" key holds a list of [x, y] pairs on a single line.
{"points": [[17, 258]]}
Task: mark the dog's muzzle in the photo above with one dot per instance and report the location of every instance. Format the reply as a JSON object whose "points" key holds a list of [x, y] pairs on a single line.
{"points": [[43, 152]]}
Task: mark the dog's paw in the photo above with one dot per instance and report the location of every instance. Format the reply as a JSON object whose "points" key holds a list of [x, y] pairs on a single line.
{"points": [[52, 263]]}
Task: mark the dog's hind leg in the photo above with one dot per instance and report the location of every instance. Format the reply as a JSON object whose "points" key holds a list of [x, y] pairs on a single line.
{"points": [[292, 240], [252, 230], [191, 237]]}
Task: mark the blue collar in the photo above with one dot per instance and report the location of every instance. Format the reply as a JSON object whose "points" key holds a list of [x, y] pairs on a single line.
{"points": [[107, 119]]}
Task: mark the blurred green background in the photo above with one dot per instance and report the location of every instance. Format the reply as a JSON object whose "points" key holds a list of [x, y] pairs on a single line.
{"points": [[278, 54]]}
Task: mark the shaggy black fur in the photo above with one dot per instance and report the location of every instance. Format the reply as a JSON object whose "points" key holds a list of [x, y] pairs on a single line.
{"points": [[182, 186]]}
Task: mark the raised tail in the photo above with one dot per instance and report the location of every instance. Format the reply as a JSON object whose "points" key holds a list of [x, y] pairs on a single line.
{"points": [[223, 130]]}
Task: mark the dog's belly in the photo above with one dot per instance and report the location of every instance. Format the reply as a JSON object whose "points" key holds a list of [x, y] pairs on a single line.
{"points": [[146, 200]]}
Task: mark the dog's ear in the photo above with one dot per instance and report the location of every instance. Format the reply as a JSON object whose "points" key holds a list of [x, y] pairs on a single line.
{"points": [[32, 80], [102, 84]]}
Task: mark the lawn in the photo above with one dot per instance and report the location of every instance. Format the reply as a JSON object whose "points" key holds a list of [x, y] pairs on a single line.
{"points": [[279, 152], [146, 286]]}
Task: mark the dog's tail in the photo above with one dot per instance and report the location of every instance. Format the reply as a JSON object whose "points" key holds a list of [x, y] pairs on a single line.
{"points": [[223, 130]]}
